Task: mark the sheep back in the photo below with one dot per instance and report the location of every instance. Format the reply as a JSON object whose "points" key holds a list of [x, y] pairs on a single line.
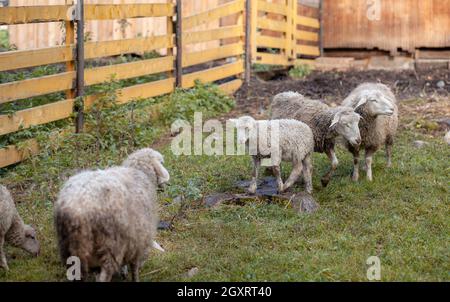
{"points": [[108, 212]]}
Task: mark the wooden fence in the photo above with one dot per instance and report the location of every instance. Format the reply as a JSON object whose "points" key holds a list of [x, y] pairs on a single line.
{"points": [[225, 63]]}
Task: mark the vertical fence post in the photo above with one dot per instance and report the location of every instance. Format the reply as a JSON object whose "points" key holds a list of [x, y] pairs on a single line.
{"points": [[294, 32], [288, 37], [179, 44], [70, 40], [321, 27], [80, 66], [254, 28], [169, 32], [248, 41]]}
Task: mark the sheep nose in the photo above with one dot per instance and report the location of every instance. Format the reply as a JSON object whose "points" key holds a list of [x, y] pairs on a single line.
{"points": [[358, 141]]}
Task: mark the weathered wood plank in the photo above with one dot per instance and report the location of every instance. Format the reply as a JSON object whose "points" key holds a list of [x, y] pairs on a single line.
{"points": [[231, 87], [30, 58], [270, 24], [128, 70], [308, 50], [310, 22], [271, 59], [271, 42], [213, 34], [199, 57], [213, 74], [213, 14], [36, 116], [273, 8], [33, 14], [307, 36], [12, 154], [36, 86], [138, 45], [141, 91], [124, 11]]}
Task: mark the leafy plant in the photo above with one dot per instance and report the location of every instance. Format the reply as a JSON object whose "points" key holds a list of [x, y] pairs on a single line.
{"points": [[300, 71], [205, 98]]}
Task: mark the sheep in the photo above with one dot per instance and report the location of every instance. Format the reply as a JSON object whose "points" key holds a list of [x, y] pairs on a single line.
{"points": [[294, 143], [108, 218], [378, 107], [13, 230], [325, 122]]}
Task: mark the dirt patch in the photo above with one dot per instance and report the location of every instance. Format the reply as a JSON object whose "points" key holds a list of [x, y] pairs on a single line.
{"points": [[333, 87]]}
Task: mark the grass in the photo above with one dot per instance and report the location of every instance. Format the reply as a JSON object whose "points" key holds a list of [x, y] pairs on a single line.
{"points": [[402, 216]]}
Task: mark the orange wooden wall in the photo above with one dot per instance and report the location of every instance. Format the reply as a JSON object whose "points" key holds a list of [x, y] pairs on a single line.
{"points": [[405, 24]]}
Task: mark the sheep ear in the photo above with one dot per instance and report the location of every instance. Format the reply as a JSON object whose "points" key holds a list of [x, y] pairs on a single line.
{"points": [[161, 172], [361, 102], [335, 120]]}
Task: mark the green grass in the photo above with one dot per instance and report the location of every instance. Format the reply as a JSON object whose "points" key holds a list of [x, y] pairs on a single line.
{"points": [[402, 217]]}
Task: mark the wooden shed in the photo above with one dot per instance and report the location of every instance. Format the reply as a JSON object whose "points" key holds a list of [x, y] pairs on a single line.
{"points": [[387, 25]]}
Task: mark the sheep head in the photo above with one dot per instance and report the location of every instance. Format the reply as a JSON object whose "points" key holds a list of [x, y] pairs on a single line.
{"points": [[375, 103], [29, 241], [346, 123], [245, 125], [150, 162]]}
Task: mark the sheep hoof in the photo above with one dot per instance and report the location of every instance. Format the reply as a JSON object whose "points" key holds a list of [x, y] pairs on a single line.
{"points": [[325, 182], [355, 177]]}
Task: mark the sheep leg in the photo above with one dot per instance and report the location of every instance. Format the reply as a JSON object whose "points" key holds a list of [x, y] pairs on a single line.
{"points": [[295, 174], [105, 275], [307, 173], [277, 172], [334, 163], [134, 272], [3, 263], [355, 174], [369, 154], [389, 154], [254, 184]]}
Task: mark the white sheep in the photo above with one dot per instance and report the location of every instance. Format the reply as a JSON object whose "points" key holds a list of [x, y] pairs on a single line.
{"points": [[13, 230], [378, 107], [294, 143], [108, 218], [325, 122]]}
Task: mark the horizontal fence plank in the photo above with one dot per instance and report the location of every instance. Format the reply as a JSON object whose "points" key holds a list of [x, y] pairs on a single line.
{"points": [[36, 86], [128, 70], [213, 34], [271, 42], [231, 87], [307, 21], [199, 57], [117, 47], [30, 58], [307, 36], [33, 14], [141, 91], [269, 24], [271, 59], [11, 155], [213, 74], [124, 11], [274, 8], [308, 50], [213, 14], [36, 116]]}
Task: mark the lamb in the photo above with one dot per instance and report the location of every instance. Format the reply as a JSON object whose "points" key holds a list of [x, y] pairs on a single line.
{"points": [[325, 122], [108, 218], [13, 230], [378, 107], [294, 143]]}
